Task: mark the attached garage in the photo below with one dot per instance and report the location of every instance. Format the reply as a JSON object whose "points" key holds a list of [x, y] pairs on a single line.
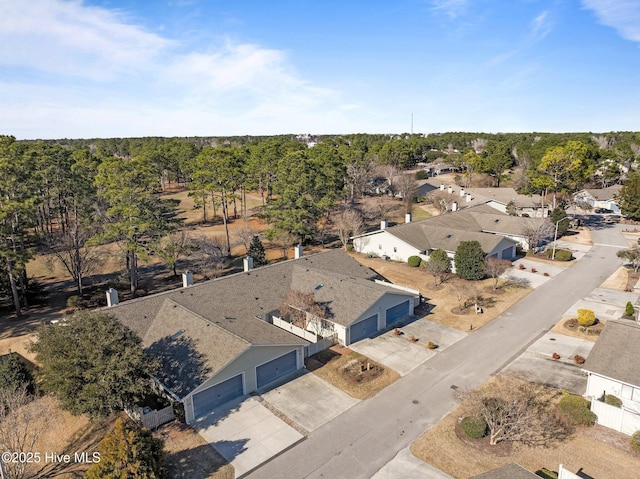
{"points": [[398, 312], [364, 328], [209, 399], [507, 253], [276, 368]]}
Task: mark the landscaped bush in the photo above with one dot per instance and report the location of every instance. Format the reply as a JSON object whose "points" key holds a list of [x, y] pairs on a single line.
{"points": [[546, 473], [586, 317], [612, 400], [76, 302], [475, 428], [628, 310], [13, 372], [349, 247], [422, 175], [579, 359], [414, 261], [576, 410], [561, 255], [635, 440]]}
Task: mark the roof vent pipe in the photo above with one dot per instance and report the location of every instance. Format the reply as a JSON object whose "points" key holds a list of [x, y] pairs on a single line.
{"points": [[112, 297], [297, 251], [248, 263], [187, 278], [407, 218], [454, 206], [384, 224]]}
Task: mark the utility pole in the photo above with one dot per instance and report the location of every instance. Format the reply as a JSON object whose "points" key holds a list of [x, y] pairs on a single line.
{"points": [[412, 123]]}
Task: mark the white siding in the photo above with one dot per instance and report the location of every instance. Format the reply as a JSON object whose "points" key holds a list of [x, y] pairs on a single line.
{"points": [[382, 243]]}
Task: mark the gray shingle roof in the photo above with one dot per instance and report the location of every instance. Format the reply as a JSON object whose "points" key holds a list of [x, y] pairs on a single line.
{"points": [[219, 317], [603, 194], [616, 354], [510, 471], [448, 230]]}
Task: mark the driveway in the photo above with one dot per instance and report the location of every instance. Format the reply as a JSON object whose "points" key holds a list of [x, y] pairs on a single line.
{"points": [[606, 303], [536, 363], [309, 401], [400, 353], [246, 433]]}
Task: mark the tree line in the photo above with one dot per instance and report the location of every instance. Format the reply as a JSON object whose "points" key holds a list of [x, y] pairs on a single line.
{"points": [[64, 196]]}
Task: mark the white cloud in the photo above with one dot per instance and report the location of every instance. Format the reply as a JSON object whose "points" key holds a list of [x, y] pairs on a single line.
{"points": [[75, 70], [541, 26], [623, 15], [450, 8]]}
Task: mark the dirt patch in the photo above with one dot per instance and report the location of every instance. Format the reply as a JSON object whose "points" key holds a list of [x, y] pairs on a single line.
{"points": [[618, 280], [357, 375], [578, 236], [189, 456], [597, 456]]}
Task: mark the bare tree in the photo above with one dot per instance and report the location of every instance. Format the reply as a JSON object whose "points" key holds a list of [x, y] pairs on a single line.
{"points": [[297, 304], [379, 210], [535, 231], [478, 144], [517, 411], [603, 142], [406, 188], [348, 224], [22, 419], [496, 267], [283, 240], [69, 248], [359, 173], [389, 172], [440, 199], [245, 234], [208, 255]]}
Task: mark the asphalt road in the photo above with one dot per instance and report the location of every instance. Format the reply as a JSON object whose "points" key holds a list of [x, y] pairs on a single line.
{"points": [[363, 439]]}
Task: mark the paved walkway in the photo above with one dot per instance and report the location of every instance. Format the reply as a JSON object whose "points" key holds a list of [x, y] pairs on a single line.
{"points": [[406, 466]]}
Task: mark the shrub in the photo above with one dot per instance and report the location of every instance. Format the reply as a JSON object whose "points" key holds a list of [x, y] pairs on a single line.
{"points": [[576, 410], [521, 266], [13, 372], [561, 255], [474, 428], [422, 175], [586, 317], [414, 261], [556, 356], [545, 274], [612, 400], [76, 302], [546, 473], [578, 359], [635, 440], [628, 310], [470, 261], [533, 270], [349, 247], [431, 345]]}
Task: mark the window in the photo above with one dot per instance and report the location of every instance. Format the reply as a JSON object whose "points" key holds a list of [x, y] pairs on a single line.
{"points": [[395, 250]]}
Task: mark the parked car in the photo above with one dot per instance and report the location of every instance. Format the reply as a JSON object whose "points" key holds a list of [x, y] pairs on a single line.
{"points": [[603, 211]]}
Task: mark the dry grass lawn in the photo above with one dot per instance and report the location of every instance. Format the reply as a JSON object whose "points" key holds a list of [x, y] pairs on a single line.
{"points": [[189, 456], [444, 298], [618, 280], [599, 452], [333, 373], [578, 236]]}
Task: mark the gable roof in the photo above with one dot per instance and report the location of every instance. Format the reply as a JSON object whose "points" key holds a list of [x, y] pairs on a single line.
{"points": [[603, 194], [199, 329], [510, 471], [446, 231], [615, 354]]}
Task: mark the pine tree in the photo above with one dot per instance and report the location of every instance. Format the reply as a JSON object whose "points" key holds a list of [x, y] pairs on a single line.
{"points": [[257, 252], [129, 451]]}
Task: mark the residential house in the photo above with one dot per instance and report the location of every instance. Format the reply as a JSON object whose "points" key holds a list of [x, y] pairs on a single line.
{"points": [[600, 198], [613, 368], [217, 340], [497, 233], [516, 471]]}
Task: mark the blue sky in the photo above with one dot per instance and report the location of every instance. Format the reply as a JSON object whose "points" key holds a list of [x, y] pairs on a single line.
{"points": [[106, 68]]}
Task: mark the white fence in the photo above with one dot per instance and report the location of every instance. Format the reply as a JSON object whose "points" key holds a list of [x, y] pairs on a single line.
{"points": [[153, 418], [564, 474], [321, 345], [616, 418], [292, 328], [156, 418]]}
